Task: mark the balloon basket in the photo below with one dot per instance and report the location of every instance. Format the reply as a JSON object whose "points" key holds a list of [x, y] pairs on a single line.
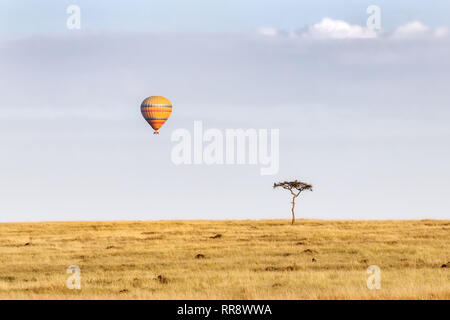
{"points": [[156, 132]]}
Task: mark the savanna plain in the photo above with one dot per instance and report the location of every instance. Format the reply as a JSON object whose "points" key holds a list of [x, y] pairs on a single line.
{"points": [[229, 259]]}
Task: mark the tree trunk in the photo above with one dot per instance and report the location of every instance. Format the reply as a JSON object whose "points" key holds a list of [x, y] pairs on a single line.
{"points": [[293, 207]]}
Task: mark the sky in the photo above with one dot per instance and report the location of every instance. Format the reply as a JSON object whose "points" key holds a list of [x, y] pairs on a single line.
{"points": [[363, 115]]}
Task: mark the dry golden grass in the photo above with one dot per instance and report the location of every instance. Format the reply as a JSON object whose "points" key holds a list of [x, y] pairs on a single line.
{"points": [[251, 260]]}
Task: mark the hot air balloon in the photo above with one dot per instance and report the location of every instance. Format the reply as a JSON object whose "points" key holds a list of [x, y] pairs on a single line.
{"points": [[156, 110]]}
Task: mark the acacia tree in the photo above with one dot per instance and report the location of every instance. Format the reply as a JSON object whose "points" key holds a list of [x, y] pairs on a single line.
{"points": [[295, 187]]}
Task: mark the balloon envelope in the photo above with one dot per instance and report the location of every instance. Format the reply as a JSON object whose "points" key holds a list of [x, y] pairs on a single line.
{"points": [[156, 110]]}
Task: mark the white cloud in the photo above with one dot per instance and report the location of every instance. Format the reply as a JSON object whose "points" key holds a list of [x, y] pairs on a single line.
{"points": [[441, 32], [338, 29], [410, 30], [327, 28], [268, 31], [417, 29]]}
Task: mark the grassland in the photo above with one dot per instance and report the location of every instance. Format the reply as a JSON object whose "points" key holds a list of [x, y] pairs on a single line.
{"points": [[267, 259]]}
